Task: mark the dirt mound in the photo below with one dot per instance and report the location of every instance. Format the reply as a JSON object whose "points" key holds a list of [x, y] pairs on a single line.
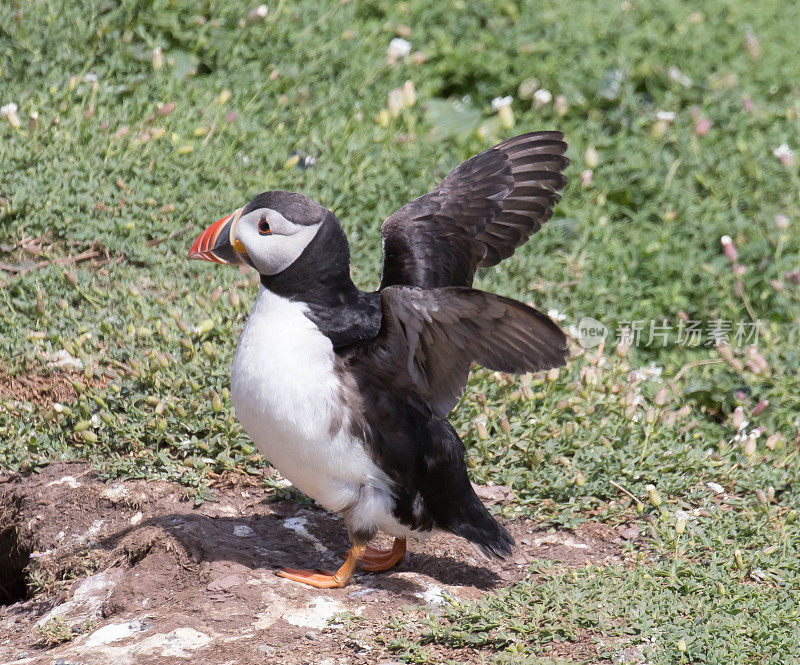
{"points": [[133, 572]]}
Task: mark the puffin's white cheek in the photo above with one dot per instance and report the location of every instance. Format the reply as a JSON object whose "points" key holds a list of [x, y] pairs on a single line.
{"points": [[276, 253]]}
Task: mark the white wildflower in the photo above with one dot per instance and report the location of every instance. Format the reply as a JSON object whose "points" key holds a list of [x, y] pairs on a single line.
{"points": [[678, 76], [500, 102], [502, 105], [784, 154], [681, 518], [542, 97], [394, 102], [651, 372], [665, 116], [398, 48], [62, 360], [10, 112], [257, 13]]}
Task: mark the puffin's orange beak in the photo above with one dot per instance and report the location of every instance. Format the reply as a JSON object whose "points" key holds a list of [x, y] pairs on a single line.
{"points": [[216, 243]]}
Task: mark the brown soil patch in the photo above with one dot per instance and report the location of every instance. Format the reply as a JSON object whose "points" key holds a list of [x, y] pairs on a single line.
{"points": [[144, 576], [42, 389]]}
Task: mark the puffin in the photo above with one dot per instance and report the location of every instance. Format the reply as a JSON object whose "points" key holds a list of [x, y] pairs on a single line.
{"points": [[347, 392]]}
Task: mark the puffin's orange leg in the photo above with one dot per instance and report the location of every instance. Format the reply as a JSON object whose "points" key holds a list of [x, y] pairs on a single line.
{"points": [[375, 560], [327, 580]]}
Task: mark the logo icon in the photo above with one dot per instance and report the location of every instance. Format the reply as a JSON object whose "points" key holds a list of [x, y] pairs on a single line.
{"points": [[591, 332]]}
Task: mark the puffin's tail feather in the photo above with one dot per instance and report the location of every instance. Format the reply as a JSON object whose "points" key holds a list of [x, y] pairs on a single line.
{"points": [[483, 530], [448, 495]]}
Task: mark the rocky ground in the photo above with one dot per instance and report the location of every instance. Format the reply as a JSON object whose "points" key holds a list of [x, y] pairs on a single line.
{"points": [[132, 572]]}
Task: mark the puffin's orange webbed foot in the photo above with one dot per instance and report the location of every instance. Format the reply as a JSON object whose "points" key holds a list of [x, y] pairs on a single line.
{"points": [[327, 579], [375, 560], [313, 578]]}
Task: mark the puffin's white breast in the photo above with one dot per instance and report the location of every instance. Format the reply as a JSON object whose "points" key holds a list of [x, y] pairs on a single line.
{"points": [[288, 398]]}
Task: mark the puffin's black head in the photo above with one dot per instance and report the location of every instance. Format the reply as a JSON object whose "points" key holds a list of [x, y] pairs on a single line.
{"points": [[269, 233]]}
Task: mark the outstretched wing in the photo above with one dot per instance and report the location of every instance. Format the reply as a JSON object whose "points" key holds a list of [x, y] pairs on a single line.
{"points": [[480, 213], [429, 338]]}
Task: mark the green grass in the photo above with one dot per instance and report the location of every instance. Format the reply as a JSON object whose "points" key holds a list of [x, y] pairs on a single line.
{"points": [[641, 242]]}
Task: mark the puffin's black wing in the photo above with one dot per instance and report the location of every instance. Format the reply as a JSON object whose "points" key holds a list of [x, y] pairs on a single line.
{"points": [[429, 338], [480, 213]]}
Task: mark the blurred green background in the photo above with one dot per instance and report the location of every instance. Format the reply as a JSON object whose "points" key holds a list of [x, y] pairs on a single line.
{"points": [[128, 126]]}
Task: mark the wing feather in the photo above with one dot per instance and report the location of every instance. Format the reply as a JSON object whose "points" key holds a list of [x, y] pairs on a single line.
{"points": [[429, 338], [479, 214]]}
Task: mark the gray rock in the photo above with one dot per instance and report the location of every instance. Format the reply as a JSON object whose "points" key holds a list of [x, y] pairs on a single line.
{"points": [[114, 632]]}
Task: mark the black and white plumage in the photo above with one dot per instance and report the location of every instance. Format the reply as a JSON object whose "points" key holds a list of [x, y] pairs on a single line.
{"points": [[347, 392]]}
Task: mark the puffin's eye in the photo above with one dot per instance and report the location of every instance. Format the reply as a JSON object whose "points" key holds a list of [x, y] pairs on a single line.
{"points": [[263, 227]]}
